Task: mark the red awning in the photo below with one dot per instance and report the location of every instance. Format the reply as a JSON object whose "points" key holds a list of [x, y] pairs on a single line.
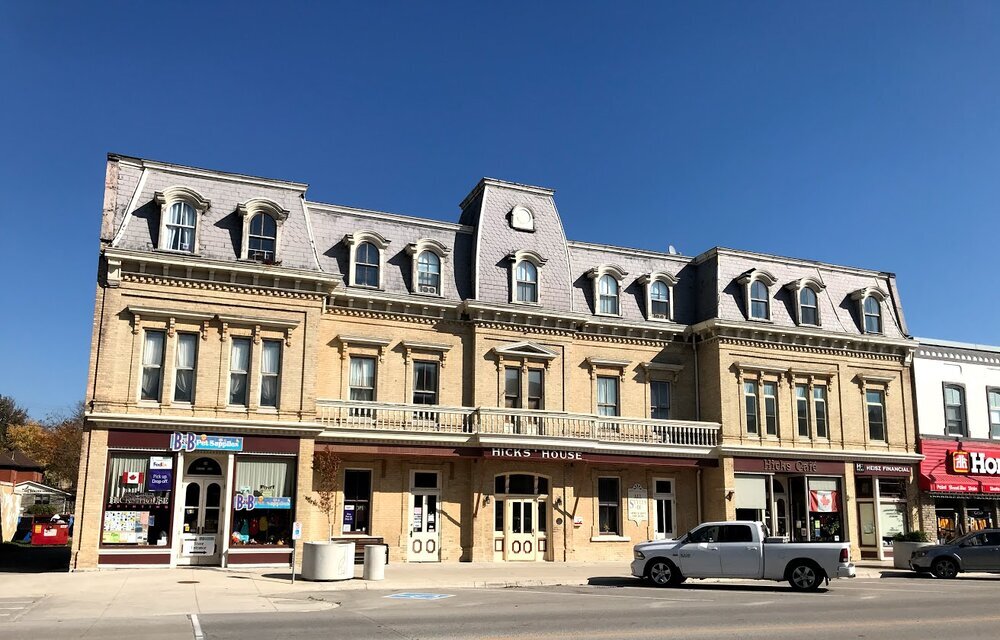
{"points": [[936, 475]]}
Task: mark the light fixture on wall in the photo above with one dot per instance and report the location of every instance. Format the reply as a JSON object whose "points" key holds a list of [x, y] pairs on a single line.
{"points": [[558, 501], [729, 494], [486, 498]]}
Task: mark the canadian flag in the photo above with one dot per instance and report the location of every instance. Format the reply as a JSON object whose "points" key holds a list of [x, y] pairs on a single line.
{"points": [[823, 501], [132, 477]]}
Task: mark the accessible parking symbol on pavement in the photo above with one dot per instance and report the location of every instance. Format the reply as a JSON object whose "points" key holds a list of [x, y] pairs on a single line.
{"points": [[420, 596]]}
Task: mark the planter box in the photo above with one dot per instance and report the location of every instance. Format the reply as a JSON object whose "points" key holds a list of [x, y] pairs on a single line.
{"points": [[901, 552], [325, 560]]}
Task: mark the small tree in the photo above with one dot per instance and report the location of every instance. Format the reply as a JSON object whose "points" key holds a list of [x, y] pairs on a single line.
{"points": [[10, 415], [326, 473]]}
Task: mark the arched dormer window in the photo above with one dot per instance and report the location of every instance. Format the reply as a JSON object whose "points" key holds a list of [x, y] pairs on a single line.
{"points": [[428, 265], [659, 295], [262, 223], [870, 301], [367, 259], [607, 289], [806, 294], [180, 210], [757, 285], [525, 276]]}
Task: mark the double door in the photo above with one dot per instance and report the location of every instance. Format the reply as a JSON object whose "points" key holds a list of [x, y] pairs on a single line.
{"points": [[425, 537], [201, 521], [524, 530]]}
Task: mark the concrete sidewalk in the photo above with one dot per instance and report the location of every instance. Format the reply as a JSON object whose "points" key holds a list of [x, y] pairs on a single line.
{"points": [[134, 593]]}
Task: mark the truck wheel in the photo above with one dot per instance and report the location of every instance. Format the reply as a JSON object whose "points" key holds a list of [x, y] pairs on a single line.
{"points": [[944, 568], [805, 576], [663, 573]]}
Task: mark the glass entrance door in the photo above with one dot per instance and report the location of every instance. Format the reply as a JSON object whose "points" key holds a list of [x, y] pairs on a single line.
{"points": [[200, 520], [521, 540], [425, 541]]}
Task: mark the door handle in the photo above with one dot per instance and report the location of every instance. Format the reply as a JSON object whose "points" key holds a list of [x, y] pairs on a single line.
{"points": [[751, 548]]}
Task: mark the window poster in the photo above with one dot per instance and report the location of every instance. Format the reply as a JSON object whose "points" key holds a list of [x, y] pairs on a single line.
{"points": [[126, 527]]}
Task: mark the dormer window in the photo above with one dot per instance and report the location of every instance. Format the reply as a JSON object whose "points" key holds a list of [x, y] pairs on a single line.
{"points": [[805, 292], [870, 301], [367, 259], [525, 285], [180, 208], [428, 263], [757, 285], [607, 289], [659, 295], [262, 222]]}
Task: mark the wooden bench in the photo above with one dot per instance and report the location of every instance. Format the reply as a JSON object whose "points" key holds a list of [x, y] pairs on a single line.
{"points": [[359, 547]]}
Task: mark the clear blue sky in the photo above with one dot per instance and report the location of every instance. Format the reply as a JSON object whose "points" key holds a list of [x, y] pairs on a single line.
{"points": [[863, 133]]}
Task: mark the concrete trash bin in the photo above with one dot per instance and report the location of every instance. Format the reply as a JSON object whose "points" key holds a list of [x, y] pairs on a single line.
{"points": [[375, 557], [332, 560]]}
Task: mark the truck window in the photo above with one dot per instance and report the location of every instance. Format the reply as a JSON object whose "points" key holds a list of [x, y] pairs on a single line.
{"points": [[705, 534], [736, 533]]}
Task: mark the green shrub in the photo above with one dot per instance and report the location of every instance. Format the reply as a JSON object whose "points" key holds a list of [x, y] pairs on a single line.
{"points": [[41, 510], [913, 536]]}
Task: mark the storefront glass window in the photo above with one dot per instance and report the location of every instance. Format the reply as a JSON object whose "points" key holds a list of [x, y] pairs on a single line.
{"points": [[267, 518], [357, 500], [891, 520], [138, 505], [825, 522]]}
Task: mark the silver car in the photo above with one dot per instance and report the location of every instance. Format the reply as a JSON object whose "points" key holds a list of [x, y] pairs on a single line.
{"points": [[979, 551]]}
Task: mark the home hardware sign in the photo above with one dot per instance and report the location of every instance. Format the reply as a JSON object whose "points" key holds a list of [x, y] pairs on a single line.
{"points": [[974, 463]]}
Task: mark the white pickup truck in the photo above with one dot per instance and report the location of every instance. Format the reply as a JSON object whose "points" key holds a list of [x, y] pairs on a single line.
{"points": [[740, 549]]}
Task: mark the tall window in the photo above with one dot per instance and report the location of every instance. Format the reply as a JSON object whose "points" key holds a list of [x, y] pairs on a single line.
{"points": [[428, 272], [152, 365], [608, 293], [536, 389], [239, 371], [181, 222], [954, 410], [357, 501], [526, 280], [802, 409], [759, 302], [659, 299], [876, 414], [512, 387], [607, 396], [609, 506], [362, 380], [750, 401], [425, 382], [262, 241], [366, 265], [771, 408], [663, 497], [808, 307], [270, 371], [873, 315], [184, 362], [659, 398], [819, 407], [993, 400]]}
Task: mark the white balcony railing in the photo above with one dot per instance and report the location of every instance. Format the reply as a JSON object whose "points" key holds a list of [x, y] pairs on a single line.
{"points": [[522, 422]]}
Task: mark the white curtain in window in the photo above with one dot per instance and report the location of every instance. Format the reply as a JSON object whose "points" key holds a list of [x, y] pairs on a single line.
{"points": [[265, 473], [239, 363], [180, 228], [270, 364], [187, 345], [119, 464], [271, 357], [152, 364], [362, 372]]}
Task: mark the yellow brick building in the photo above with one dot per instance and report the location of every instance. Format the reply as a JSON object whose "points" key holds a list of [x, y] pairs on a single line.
{"points": [[493, 391]]}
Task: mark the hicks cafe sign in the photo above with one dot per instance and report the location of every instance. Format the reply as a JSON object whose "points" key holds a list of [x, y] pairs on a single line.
{"points": [[974, 463]]}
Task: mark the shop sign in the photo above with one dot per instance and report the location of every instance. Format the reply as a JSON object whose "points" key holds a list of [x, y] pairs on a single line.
{"points": [[789, 466], [638, 506], [199, 546], [880, 469], [249, 502], [161, 462], [160, 479], [202, 442], [534, 454], [974, 463], [782, 465], [141, 499]]}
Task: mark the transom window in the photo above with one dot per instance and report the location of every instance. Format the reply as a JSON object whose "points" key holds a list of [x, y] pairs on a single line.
{"points": [[954, 410], [808, 307], [181, 224], [263, 238], [873, 315], [659, 300], [366, 265], [759, 301], [526, 282], [428, 273], [608, 293]]}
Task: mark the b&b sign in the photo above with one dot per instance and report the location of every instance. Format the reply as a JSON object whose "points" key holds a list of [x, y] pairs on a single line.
{"points": [[245, 502]]}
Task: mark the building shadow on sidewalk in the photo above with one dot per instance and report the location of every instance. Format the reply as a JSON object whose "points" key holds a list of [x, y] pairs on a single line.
{"points": [[16, 558]]}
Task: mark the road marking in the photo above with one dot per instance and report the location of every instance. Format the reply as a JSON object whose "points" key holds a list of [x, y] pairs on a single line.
{"points": [[420, 596], [607, 595], [198, 635]]}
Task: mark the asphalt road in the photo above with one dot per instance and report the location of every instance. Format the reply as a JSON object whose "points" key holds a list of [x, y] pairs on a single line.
{"points": [[887, 609]]}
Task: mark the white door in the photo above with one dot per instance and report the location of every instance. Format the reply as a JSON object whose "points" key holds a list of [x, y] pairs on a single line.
{"points": [[663, 503], [200, 521], [520, 535], [425, 540], [700, 556]]}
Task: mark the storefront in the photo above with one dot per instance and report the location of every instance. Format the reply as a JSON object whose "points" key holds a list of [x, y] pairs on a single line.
{"points": [[883, 507], [960, 481], [503, 504], [180, 498]]}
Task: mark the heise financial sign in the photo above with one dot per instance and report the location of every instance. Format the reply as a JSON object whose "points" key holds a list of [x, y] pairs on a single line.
{"points": [[974, 463]]}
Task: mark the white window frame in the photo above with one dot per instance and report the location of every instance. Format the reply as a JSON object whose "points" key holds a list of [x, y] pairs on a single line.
{"points": [[515, 258], [648, 281], [962, 407], [617, 274], [797, 288], [437, 380], [230, 371], [193, 369], [825, 402], [276, 375], [747, 280], [355, 240], [166, 199], [885, 415], [618, 396], [879, 296], [993, 412], [250, 210], [350, 374], [415, 250], [619, 525], [672, 497], [162, 366]]}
